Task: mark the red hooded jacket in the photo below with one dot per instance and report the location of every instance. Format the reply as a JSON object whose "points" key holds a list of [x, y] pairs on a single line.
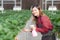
{"points": [[46, 24]]}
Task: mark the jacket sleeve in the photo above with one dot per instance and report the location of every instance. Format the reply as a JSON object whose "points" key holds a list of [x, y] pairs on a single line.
{"points": [[42, 30], [47, 23], [29, 23]]}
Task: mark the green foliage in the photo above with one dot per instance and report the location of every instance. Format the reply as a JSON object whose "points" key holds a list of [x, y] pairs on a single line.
{"points": [[11, 22], [55, 18]]}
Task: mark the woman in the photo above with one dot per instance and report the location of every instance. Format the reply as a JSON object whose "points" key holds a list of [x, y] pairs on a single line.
{"points": [[42, 21]]}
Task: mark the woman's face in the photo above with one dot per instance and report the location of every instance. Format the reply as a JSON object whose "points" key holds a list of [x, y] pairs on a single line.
{"points": [[35, 11]]}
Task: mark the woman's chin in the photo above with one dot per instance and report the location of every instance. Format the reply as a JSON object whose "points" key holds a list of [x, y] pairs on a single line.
{"points": [[35, 15]]}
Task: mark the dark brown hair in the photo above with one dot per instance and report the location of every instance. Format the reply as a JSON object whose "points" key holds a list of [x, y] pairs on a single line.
{"points": [[38, 7]]}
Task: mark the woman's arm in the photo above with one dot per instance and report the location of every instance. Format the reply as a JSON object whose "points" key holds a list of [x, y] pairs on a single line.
{"points": [[46, 22], [28, 24]]}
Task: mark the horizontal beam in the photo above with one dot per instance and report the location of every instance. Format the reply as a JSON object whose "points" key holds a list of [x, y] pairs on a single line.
{"points": [[10, 3], [7, 0], [51, 0]]}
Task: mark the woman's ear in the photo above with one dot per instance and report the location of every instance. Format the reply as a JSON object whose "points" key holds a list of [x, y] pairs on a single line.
{"points": [[41, 10]]}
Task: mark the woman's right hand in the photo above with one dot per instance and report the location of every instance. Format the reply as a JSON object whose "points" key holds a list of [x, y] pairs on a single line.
{"points": [[26, 30], [33, 27]]}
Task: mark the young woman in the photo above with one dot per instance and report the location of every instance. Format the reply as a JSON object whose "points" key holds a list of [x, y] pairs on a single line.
{"points": [[42, 22]]}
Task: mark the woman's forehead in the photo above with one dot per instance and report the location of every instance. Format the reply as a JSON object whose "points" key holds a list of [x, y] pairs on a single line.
{"points": [[34, 8]]}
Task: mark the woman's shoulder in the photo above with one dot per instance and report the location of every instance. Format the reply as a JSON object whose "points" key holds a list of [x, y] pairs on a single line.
{"points": [[45, 16]]}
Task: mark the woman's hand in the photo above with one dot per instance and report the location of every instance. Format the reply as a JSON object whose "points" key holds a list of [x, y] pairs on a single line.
{"points": [[26, 30], [33, 27]]}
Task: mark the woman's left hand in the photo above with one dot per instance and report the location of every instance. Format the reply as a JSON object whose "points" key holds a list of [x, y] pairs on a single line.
{"points": [[16, 38]]}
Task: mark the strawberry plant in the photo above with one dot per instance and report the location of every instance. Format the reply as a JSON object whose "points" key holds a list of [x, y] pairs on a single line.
{"points": [[11, 22], [55, 19]]}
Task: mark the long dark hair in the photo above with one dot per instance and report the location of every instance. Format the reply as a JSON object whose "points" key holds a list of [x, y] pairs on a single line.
{"points": [[40, 11]]}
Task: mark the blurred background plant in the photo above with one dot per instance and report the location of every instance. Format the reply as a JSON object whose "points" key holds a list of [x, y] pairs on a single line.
{"points": [[11, 22]]}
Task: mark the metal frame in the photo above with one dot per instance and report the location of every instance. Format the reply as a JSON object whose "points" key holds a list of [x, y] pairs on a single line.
{"points": [[45, 2], [15, 8], [21, 3], [2, 5], [16, 2], [53, 2]]}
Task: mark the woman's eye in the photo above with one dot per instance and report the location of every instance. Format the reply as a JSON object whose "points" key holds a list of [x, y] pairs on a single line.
{"points": [[34, 10]]}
